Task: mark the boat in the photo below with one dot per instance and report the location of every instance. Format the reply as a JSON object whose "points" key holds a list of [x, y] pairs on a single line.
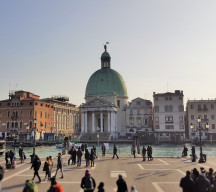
{"points": [[2, 146], [77, 145]]}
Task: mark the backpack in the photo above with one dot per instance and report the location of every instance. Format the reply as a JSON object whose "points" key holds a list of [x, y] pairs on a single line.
{"points": [[1, 173], [31, 186], [89, 183]]}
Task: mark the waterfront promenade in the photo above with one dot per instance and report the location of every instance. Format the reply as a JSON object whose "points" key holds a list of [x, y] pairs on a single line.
{"points": [[159, 175]]}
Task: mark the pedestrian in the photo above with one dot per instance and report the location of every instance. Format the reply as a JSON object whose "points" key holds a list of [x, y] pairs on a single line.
{"points": [[7, 155], [202, 184], [103, 148], [149, 153], [88, 182], [121, 184], [87, 157], [36, 165], [30, 186], [55, 187], [2, 171], [74, 156], [51, 166], [79, 157], [101, 187], [59, 165], [133, 189], [133, 151], [151, 150], [115, 151], [187, 184], [46, 168], [211, 178], [14, 151], [92, 157], [70, 152], [144, 153], [11, 155], [94, 149], [20, 151], [193, 155]]}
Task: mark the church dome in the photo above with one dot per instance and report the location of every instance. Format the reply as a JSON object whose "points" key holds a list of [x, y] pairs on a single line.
{"points": [[106, 81]]}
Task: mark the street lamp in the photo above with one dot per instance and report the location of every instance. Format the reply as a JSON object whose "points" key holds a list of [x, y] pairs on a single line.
{"points": [[98, 129], [200, 128], [27, 128], [33, 155], [41, 131]]}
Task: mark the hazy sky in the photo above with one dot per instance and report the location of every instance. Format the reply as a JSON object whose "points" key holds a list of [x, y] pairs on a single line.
{"points": [[52, 47]]}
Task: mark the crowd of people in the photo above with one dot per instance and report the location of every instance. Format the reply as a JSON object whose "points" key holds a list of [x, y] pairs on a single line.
{"points": [[199, 181]]}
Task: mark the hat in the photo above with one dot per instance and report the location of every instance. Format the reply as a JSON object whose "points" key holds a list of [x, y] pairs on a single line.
{"points": [[87, 171]]}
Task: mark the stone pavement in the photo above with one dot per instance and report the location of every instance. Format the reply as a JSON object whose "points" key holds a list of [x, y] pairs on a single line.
{"points": [[159, 175]]}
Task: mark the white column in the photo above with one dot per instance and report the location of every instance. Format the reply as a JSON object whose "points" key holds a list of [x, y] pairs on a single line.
{"points": [[112, 122], [108, 122], [82, 122], [101, 122], [93, 122], [86, 120]]}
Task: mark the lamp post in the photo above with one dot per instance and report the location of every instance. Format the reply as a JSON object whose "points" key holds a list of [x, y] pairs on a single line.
{"points": [[98, 129], [41, 131], [33, 155], [27, 128], [200, 128]]}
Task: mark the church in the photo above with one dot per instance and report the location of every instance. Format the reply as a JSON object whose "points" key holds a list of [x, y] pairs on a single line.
{"points": [[104, 110]]}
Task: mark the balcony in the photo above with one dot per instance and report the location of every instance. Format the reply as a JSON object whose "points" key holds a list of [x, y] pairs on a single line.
{"points": [[13, 128], [14, 117], [203, 109]]}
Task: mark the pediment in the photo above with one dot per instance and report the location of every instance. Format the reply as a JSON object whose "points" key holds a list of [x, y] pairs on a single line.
{"points": [[97, 102]]}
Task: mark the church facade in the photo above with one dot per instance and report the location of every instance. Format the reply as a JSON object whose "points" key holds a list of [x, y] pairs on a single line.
{"points": [[106, 99]]}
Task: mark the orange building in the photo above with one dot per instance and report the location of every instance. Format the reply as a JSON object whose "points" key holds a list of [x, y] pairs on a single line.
{"points": [[22, 113]]}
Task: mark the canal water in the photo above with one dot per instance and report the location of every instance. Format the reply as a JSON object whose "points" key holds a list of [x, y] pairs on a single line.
{"points": [[164, 150]]}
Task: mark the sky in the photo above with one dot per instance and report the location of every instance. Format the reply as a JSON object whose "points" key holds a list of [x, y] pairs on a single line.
{"points": [[52, 47]]}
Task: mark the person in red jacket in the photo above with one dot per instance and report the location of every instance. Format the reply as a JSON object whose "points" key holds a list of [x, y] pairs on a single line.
{"points": [[55, 187]]}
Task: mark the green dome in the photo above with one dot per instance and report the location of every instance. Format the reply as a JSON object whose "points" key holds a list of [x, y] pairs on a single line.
{"points": [[106, 81], [105, 54]]}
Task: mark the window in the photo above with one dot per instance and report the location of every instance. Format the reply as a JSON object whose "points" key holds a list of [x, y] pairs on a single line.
{"points": [[30, 113], [8, 113], [170, 98], [41, 104], [146, 121], [181, 108], [161, 134], [16, 124], [41, 114], [168, 119], [131, 111], [212, 106], [166, 108], [35, 114], [21, 103], [138, 111], [213, 126], [181, 119], [21, 114], [21, 124], [45, 114], [192, 106], [30, 124], [118, 103], [205, 116], [131, 120], [192, 117], [8, 104], [169, 127], [157, 126], [35, 103], [180, 98], [212, 117], [181, 126], [156, 119], [30, 103], [138, 102], [8, 124], [167, 134], [139, 121], [166, 98], [170, 108], [199, 107], [156, 108]]}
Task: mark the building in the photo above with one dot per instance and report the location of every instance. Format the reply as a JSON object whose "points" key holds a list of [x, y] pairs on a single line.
{"points": [[139, 115], [169, 116], [22, 113], [106, 99], [206, 110], [66, 116]]}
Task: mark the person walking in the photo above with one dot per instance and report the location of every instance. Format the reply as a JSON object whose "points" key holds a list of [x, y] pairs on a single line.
{"points": [[88, 183], [103, 148], [20, 152], [92, 157], [2, 171], [94, 149], [55, 187], [51, 166], [115, 151], [11, 155], [7, 155], [144, 153], [121, 184], [133, 151], [46, 168], [133, 189], [59, 165], [74, 153], [87, 157], [187, 184], [149, 153], [79, 157], [101, 187], [36, 165]]}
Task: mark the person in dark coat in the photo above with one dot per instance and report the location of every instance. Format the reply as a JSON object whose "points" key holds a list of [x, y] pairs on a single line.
{"points": [[88, 183], [74, 156], [87, 157], [115, 151], [94, 149], [20, 152], [36, 165], [144, 153], [101, 187], [211, 177], [79, 157], [7, 155], [92, 157], [121, 184], [11, 155], [187, 184], [149, 153], [59, 165], [103, 148], [46, 168], [193, 151]]}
